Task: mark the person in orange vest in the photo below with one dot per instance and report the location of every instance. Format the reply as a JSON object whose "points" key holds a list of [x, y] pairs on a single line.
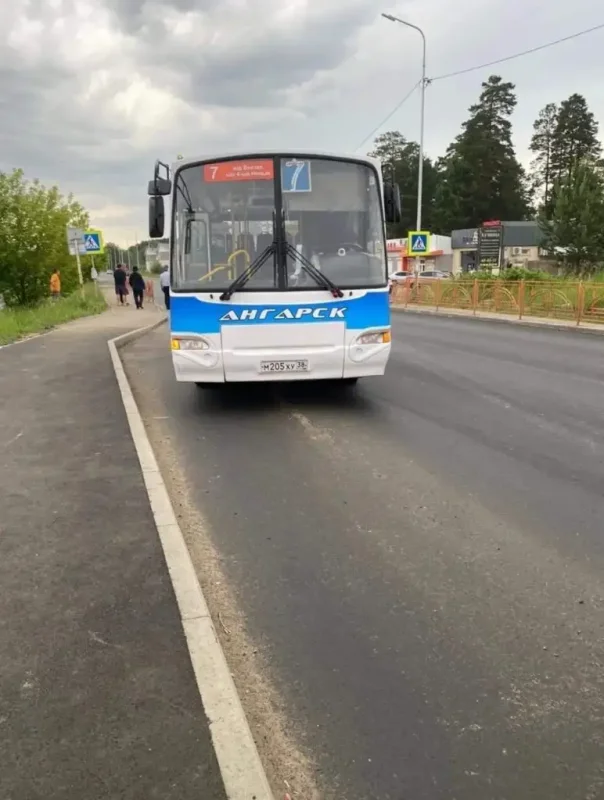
{"points": [[55, 284]]}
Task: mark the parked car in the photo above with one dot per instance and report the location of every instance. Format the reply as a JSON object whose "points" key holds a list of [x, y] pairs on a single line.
{"points": [[400, 276], [434, 275], [409, 278]]}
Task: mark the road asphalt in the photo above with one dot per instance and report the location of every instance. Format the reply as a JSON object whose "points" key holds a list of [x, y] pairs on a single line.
{"points": [[414, 566], [97, 694]]}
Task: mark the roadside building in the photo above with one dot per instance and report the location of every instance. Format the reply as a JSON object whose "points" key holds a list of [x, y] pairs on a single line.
{"points": [[157, 252], [514, 244], [440, 256]]}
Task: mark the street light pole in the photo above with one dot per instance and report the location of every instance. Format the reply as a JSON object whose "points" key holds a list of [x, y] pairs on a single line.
{"points": [[420, 166]]}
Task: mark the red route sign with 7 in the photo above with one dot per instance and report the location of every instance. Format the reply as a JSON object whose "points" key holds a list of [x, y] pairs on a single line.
{"points": [[252, 170]]}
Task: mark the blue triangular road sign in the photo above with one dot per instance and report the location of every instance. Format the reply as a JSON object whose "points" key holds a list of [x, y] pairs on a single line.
{"points": [[419, 243]]}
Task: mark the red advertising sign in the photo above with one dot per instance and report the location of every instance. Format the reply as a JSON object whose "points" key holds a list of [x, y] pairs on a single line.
{"points": [[255, 169], [491, 223]]}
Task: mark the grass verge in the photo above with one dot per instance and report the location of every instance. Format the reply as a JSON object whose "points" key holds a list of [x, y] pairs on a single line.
{"points": [[17, 323]]}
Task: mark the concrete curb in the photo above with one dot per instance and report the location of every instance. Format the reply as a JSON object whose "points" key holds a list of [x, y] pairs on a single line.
{"points": [[131, 336], [526, 323], [242, 771]]}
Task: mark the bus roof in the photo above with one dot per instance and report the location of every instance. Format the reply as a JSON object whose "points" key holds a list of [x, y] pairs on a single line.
{"points": [[275, 152]]}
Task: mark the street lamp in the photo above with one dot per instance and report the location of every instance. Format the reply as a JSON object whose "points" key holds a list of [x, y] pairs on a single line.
{"points": [[420, 166]]}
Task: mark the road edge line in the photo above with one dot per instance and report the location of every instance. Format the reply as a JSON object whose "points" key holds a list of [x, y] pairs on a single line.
{"points": [[521, 323], [242, 771], [28, 338]]}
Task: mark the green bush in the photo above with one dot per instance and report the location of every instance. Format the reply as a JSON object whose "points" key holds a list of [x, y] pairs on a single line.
{"points": [[521, 274], [33, 222], [511, 274], [156, 268], [17, 323]]}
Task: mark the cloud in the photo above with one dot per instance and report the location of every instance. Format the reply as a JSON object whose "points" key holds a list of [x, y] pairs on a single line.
{"points": [[93, 91]]}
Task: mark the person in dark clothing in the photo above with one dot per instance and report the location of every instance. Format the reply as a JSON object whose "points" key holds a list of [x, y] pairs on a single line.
{"points": [[121, 287], [137, 282]]}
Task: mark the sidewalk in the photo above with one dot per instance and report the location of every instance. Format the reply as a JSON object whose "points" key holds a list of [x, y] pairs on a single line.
{"points": [[97, 693], [530, 322]]}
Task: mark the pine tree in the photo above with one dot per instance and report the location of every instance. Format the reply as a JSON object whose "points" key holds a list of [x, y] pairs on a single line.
{"points": [[389, 147], [575, 231], [575, 137], [480, 177], [541, 145], [393, 148]]}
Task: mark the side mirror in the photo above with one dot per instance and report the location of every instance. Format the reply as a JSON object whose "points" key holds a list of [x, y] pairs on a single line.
{"points": [[156, 217], [159, 186], [392, 203]]}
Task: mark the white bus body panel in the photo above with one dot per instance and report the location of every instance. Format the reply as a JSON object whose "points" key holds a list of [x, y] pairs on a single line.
{"points": [[323, 338]]}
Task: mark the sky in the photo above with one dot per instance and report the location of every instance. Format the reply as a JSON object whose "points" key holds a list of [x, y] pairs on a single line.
{"points": [[93, 91]]}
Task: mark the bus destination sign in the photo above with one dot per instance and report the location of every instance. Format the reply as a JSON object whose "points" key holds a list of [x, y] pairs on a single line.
{"points": [[254, 169]]}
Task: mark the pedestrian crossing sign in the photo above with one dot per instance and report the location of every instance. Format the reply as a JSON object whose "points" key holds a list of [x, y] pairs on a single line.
{"points": [[418, 243], [93, 242]]}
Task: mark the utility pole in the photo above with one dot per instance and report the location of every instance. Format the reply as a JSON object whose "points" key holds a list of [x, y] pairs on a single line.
{"points": [[420, 164]]}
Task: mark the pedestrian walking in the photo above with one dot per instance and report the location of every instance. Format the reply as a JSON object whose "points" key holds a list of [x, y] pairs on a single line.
{"points": [[121, 287], [150, 290], [137, 283], [164, 282], [55, 284]]}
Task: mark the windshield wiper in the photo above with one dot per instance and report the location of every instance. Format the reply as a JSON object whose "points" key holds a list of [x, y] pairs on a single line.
{"points": [[249, 271], [311, 270]]}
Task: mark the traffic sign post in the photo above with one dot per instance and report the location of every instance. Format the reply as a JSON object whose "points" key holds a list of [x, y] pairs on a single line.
{"points": [[418, 243], [75, 243], [94, 275], [82, 243], [93, 242]]}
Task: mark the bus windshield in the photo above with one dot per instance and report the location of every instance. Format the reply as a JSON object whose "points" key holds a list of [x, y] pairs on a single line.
{"points": [[225, 214]]}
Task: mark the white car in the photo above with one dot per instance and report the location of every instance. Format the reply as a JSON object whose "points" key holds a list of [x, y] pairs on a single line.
{"points": [[434, 274], [399, 277]]}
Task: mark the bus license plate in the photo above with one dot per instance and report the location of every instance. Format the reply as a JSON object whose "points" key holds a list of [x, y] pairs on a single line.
{"points": [[300, 365]]}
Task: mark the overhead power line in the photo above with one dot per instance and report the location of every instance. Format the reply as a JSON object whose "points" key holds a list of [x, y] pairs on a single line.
{"points": [[391, 114], [518, 55], [481, 66]]}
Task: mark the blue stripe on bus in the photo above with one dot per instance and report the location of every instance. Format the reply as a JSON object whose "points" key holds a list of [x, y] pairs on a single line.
{"points": [[192, 314]]}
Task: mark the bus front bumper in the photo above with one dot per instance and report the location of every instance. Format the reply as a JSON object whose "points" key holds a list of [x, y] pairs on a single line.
{"points": [[262, 365]]}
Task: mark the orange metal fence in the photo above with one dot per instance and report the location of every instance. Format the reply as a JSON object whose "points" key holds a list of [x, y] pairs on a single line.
{"points": [[581, 301]]}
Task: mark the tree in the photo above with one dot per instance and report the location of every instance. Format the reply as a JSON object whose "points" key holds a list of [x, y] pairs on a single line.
{"points": [[575, 232], [575, 138], [389, 147], [33, 221], [480, 177], [544, 129], [392, 148]]}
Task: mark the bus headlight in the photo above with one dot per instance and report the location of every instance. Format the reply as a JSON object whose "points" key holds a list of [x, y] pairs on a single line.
{"points": [[376, 337], [190, 344]]}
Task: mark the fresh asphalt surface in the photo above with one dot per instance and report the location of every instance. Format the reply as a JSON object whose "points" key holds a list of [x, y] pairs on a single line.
{"points": [[420, 560], [98, 700]]}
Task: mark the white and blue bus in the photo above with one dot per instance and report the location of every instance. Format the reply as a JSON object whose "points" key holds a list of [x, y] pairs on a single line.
{"points": [[278, 265]]}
